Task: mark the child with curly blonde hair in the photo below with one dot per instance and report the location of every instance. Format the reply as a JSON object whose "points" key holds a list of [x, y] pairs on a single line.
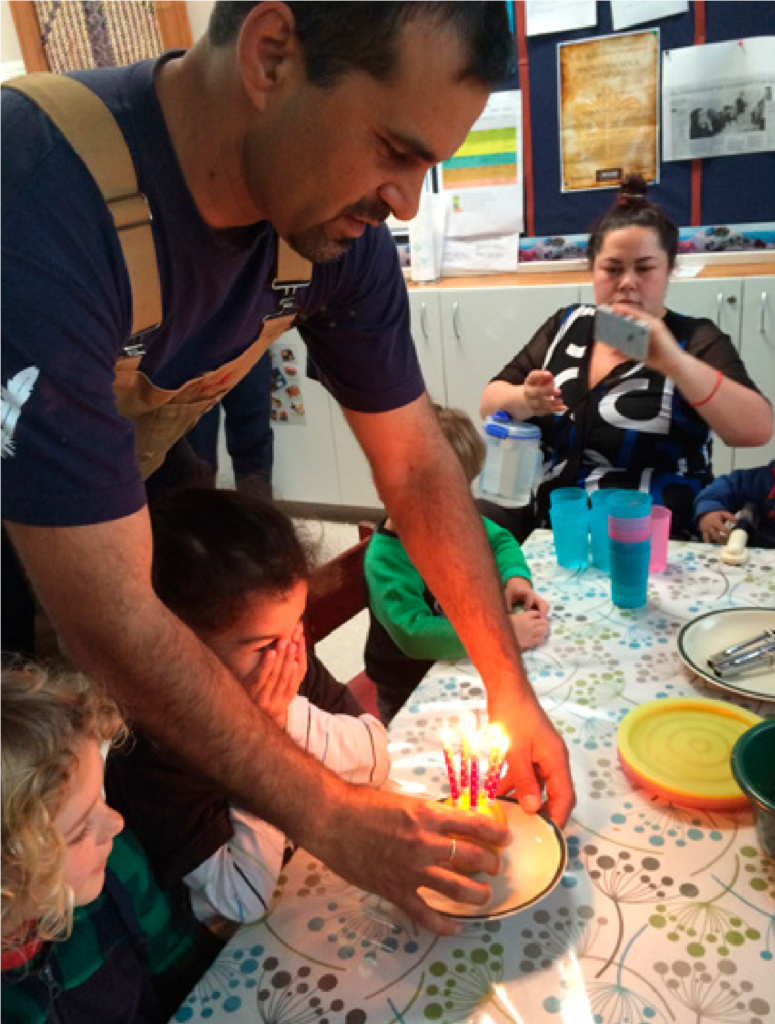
{"points": [[86, 933]]}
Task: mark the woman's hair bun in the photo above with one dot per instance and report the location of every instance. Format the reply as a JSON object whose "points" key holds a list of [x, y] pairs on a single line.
{"points": [[632, 190]]}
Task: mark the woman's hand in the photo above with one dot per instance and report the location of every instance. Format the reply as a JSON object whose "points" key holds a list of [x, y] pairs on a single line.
{"points": [[664, 354], [541, 394], [716, 526], [278, 676]]}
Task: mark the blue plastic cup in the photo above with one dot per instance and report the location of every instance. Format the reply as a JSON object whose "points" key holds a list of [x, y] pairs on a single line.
{"points": [[629, 572], [598, 527], [563, 494], [570, 525], [629, 504]]}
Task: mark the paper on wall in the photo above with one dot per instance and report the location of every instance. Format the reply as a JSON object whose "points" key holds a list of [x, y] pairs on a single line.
{"points": [[481, 188], [497, 255], [625, 13], [717, 100], [426, 238], [482, 182], [545, 16]]}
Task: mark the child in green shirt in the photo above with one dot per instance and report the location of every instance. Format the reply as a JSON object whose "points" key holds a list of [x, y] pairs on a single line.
{"points": [[408, 630]]}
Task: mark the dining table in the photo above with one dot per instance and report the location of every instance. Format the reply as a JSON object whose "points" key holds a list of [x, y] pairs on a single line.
{"points": [[663, 914]]}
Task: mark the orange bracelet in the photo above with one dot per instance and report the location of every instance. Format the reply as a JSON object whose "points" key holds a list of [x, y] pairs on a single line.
{"points": [[716, 386]]}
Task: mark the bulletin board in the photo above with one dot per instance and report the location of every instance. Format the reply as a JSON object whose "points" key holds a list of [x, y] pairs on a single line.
{"points": [[732, 189]]}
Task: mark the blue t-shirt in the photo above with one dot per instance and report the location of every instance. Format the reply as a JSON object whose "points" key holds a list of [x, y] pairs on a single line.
{"points": [[68, 456]]}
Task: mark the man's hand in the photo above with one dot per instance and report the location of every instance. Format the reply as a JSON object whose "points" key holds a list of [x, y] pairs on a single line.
{"points": [[392, 845], [536, 754], [716, 526], [417, 474]]}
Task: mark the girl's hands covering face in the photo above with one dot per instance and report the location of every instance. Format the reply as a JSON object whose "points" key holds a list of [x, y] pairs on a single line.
{"points": [[276, 678]]}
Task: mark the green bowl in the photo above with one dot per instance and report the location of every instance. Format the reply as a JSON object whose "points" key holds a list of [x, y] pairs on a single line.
{"points": [[753, 766]]}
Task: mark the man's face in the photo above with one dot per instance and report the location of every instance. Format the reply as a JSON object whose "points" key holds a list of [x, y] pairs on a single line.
{"points": [[327, 162]]}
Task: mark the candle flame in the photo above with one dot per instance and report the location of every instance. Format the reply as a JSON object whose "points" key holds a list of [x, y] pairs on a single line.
{"points": [[499, 739]]}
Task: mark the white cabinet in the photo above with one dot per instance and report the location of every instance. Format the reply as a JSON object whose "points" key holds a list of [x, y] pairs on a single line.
{"points": [[426, 331], [354, 470], [757, 347], [465, 335], [305, 460], [721, 302], [355, 476], [484, 328]]}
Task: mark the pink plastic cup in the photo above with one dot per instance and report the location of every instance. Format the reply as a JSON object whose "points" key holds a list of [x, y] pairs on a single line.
{"points": [[629, 531], [660, 535]]}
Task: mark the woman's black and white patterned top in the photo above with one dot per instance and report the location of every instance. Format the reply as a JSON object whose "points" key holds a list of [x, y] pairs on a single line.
{"points": [[634, 429]]}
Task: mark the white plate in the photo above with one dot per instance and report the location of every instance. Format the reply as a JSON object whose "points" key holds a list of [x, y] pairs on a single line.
{"points": [[714, 632], [530, 868]]}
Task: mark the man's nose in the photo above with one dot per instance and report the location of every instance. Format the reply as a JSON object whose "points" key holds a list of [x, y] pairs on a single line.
{"points": [[403, 195]]}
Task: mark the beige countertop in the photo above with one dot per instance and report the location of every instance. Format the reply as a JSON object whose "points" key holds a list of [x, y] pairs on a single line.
{"points": [[532, 278]]}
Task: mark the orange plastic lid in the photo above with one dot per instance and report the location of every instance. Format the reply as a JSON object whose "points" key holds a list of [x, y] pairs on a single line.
{"points": [[680, 749]]}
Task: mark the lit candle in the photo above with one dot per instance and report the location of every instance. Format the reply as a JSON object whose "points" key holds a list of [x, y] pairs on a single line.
{"points": [[446, 746], [499, 744], [474, 800], [465, 755]]}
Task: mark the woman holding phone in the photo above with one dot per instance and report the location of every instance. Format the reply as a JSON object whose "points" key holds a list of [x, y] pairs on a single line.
{"points": [[609, 421]]}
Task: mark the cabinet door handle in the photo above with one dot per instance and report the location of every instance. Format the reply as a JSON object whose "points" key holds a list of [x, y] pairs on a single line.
{"points": [[719, 301], [424, 320], [456, 320], [762, 312]]}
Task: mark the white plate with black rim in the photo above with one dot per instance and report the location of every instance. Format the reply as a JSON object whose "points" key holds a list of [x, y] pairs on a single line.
{"points": [[714, 632], [530, 868]]}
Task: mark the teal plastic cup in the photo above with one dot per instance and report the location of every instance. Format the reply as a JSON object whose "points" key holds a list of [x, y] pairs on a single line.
{"points": [[630, 572], [563, 494], [570, 526], [598, 527], [630, 505], [753, 767]]}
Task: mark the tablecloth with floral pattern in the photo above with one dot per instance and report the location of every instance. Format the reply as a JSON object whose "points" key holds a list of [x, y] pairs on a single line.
{"points": [[664, 915]]}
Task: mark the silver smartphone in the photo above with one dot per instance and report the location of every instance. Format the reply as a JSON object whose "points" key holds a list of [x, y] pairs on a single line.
{"points": [[627, 333]]}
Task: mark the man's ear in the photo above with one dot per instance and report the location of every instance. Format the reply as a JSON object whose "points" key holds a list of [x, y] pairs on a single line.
{"points": [[268, 51]]}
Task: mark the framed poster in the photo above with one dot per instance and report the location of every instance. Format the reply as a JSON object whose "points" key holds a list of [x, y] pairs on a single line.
{"points": [[608, 92]]}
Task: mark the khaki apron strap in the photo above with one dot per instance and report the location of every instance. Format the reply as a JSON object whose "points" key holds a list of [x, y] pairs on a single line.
{"points": [[292, 269], [93, 133]]}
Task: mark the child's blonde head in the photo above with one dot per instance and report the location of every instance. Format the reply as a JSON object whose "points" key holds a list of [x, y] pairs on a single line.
{"points": [[45, 716], [466, 441]]}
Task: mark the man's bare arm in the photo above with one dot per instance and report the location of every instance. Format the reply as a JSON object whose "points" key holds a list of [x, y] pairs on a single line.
{"points": [[426, 494], [94, 582]]}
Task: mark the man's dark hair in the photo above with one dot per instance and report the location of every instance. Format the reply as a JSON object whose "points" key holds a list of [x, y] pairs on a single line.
{"points": [[215, 549], [341, 37]]}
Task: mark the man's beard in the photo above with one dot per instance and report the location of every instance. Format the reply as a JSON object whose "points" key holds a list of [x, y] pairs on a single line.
{"points": [[318, 246]]}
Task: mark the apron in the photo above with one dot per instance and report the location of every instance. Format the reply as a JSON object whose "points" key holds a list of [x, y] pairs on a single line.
{"points": [[161, 417]]}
